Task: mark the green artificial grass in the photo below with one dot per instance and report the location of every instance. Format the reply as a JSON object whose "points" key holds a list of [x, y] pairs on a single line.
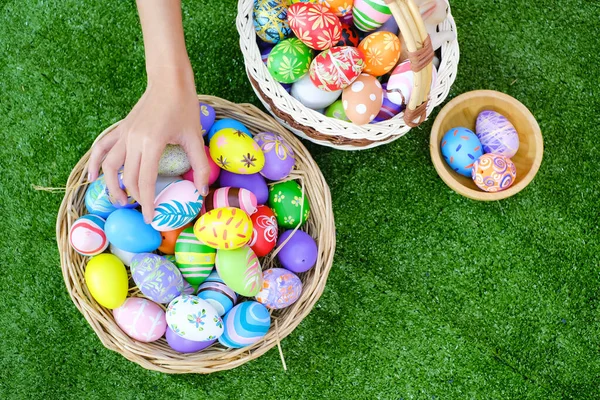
{"points": [[431, 295]]}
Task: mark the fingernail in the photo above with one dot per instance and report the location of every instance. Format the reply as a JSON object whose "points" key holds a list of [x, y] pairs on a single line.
{"points": [[123, 201], [147, 220], [89, 176], [204, 190]]}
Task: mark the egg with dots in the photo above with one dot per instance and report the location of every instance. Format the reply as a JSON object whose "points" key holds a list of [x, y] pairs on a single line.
{"points": [[169, 238], [336, 68], [141, 319], [279, 156], [207, 117], [264, 231], [381, 51], [400, 84], [246, 324], [289, 60], [214, 169], [195, 260], [370, 14], [493, 172], [173, 161], [106, 279], [270, 20], [177, 205], [289, 204], [496, 133], [253, 182], [224, 228], [194, 319], [156, 277], [231, 197], [338, 7], [217, 293], [315, 25], [240, 270], [281, 288], [461, 148], [236, 152], [87, 236], [298, 251], [362, 99], [349, 36]]}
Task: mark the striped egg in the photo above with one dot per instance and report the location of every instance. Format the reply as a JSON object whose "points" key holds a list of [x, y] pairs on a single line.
{"points": [[87, 235], [187, 287], [141, 319], [240, 270], [231, 197], [97, 201], [370, 14], [224, 228], [245, 324], [388, 109], [217, 294], [157, 278], [194, 259], [281, 288]]}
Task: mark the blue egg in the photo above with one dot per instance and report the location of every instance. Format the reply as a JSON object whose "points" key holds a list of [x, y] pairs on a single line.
{"points": [[96, 199], [217, 293], [245, 324], [125, 228], [227, 123], [461, 148]]}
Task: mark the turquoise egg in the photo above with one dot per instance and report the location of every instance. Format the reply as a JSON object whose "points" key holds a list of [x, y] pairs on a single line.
{"points": [[228, 123], [125, 228], [245, 324], [217, 293], [461, 148], [96, 199]]}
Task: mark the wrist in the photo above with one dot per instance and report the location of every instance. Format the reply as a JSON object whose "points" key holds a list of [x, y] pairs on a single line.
{"points": [[178, 75]]}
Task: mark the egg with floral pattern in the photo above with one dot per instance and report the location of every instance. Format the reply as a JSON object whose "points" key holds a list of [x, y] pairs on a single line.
{"points": [[279, 156], [370, 14], [141, 319], [494, 172], [264, 231], [289, 60], [236, 152], [381, 51], [156, 277], [207, 117], [336, 68], [362, 99], [289, 204], [270, 20], [338, 7], [281, 288], [194, 319], [315, 25]]}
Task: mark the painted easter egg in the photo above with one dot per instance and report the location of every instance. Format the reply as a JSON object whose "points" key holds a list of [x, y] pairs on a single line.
{"points": [[213, 167], [264, 54], [126, 229], [370, 14], [194, 319], [400, 84], [279, 156], [289, 207], [207, 117], [224, 228], [106, 278], [460, 148], [231, 197], [169, 238], [496, 134], [228, 123], [217, 293], [163, 181], [194, 259], [336, 68], [182, 345], [156, 277], [187, 287], [236, 152], [97, 201], [254, 182], [173, 161], [281, 288], [493, 172], [347, 19], [389, 26], [176, 206], [87, 235], [264, 231], [319, 35], [336, 110], [124, 256], [381, 51], [338, 7], [240, 270], [289, 60], [245, 325], [311, 96], [141, 319], [349, 36], [388, 109], [300, 252], [270, 20], [362, 100], [286, 86]]}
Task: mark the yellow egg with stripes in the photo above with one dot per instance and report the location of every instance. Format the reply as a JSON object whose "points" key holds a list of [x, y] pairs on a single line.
{"points": [[194, 259], [224, 228]]}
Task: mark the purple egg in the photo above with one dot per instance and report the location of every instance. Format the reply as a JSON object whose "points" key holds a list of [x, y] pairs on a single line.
{"points": [[389, 26], [347, 19], [279, 156], [264, 53], [300, 253], [287, 87], [182, 345], [253, 182], [207, 117], [388, 109]]}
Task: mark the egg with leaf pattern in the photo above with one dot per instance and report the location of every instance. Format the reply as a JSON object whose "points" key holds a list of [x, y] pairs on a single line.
{"points": [[177, 205]]}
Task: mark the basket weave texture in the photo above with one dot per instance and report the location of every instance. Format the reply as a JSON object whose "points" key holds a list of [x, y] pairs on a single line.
{"points": [[318, 128], [158, 355]]}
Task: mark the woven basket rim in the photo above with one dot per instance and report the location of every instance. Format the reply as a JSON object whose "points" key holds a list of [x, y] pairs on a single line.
{"points": [[158, 356]]}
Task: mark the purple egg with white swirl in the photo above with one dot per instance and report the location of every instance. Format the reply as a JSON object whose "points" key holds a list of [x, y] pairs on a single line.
{"points": [[496, 134], [388, 108], [279, 156]]}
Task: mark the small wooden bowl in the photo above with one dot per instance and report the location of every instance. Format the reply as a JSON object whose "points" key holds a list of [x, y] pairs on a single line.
{"points": [[463, 111]]}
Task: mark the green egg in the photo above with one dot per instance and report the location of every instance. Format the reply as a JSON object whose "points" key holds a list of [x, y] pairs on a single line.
{"points": [[289, 60], [286, 201], [336, 110]]}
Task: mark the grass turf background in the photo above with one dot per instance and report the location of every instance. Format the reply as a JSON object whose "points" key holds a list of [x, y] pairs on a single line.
{"points": [[431, 295]]}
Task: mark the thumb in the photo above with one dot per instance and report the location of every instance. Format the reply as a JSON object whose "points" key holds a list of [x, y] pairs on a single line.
{"points": [[194, 148]]}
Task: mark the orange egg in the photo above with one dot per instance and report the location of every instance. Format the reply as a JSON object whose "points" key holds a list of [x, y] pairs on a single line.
{"points": [[381, 51], [169, 238], [338, 7], [362, 99]]}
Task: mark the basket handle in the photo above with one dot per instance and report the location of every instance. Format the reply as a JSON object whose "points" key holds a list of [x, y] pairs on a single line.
{"points": [[420, 54]]}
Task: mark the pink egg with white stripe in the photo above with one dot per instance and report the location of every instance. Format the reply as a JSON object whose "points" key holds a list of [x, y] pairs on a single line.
{"points": [[87, 235], [400, 84], [141, 319], [231, 197]]}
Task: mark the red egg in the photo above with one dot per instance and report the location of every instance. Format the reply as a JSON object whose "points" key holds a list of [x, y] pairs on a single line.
{"points": [[315, 25], [264, 231], [349, 36], [336, 68]]}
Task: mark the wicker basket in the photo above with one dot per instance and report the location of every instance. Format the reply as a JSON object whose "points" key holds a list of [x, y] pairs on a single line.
{"points": [[158, 355], [314, 126]]}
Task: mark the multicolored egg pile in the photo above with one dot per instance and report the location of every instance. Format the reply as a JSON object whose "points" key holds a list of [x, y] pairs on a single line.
{"points": [[197, 268], [313, 48], [484, 155]]}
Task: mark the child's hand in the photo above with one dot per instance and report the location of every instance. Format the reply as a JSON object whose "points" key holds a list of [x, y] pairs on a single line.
{"points": [[167, 113]]}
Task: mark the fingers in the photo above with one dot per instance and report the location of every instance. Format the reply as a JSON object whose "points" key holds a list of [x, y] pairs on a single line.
{"points": [[131, 171], [99, 151], [111, 164], [194, 148], [147, 179]]}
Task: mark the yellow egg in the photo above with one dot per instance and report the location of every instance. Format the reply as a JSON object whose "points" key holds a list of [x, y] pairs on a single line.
{"points": [[236, 152], [224, 228], [106, 278]]}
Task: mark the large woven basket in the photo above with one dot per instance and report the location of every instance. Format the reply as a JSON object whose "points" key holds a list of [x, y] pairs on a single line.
{"points": [[314, 126], [158, 355]]}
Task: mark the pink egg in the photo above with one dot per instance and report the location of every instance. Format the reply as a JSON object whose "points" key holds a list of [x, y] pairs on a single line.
{"points": [[178, 204], [400, 84], [214, 170], [87, 235], [141, 319]]}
